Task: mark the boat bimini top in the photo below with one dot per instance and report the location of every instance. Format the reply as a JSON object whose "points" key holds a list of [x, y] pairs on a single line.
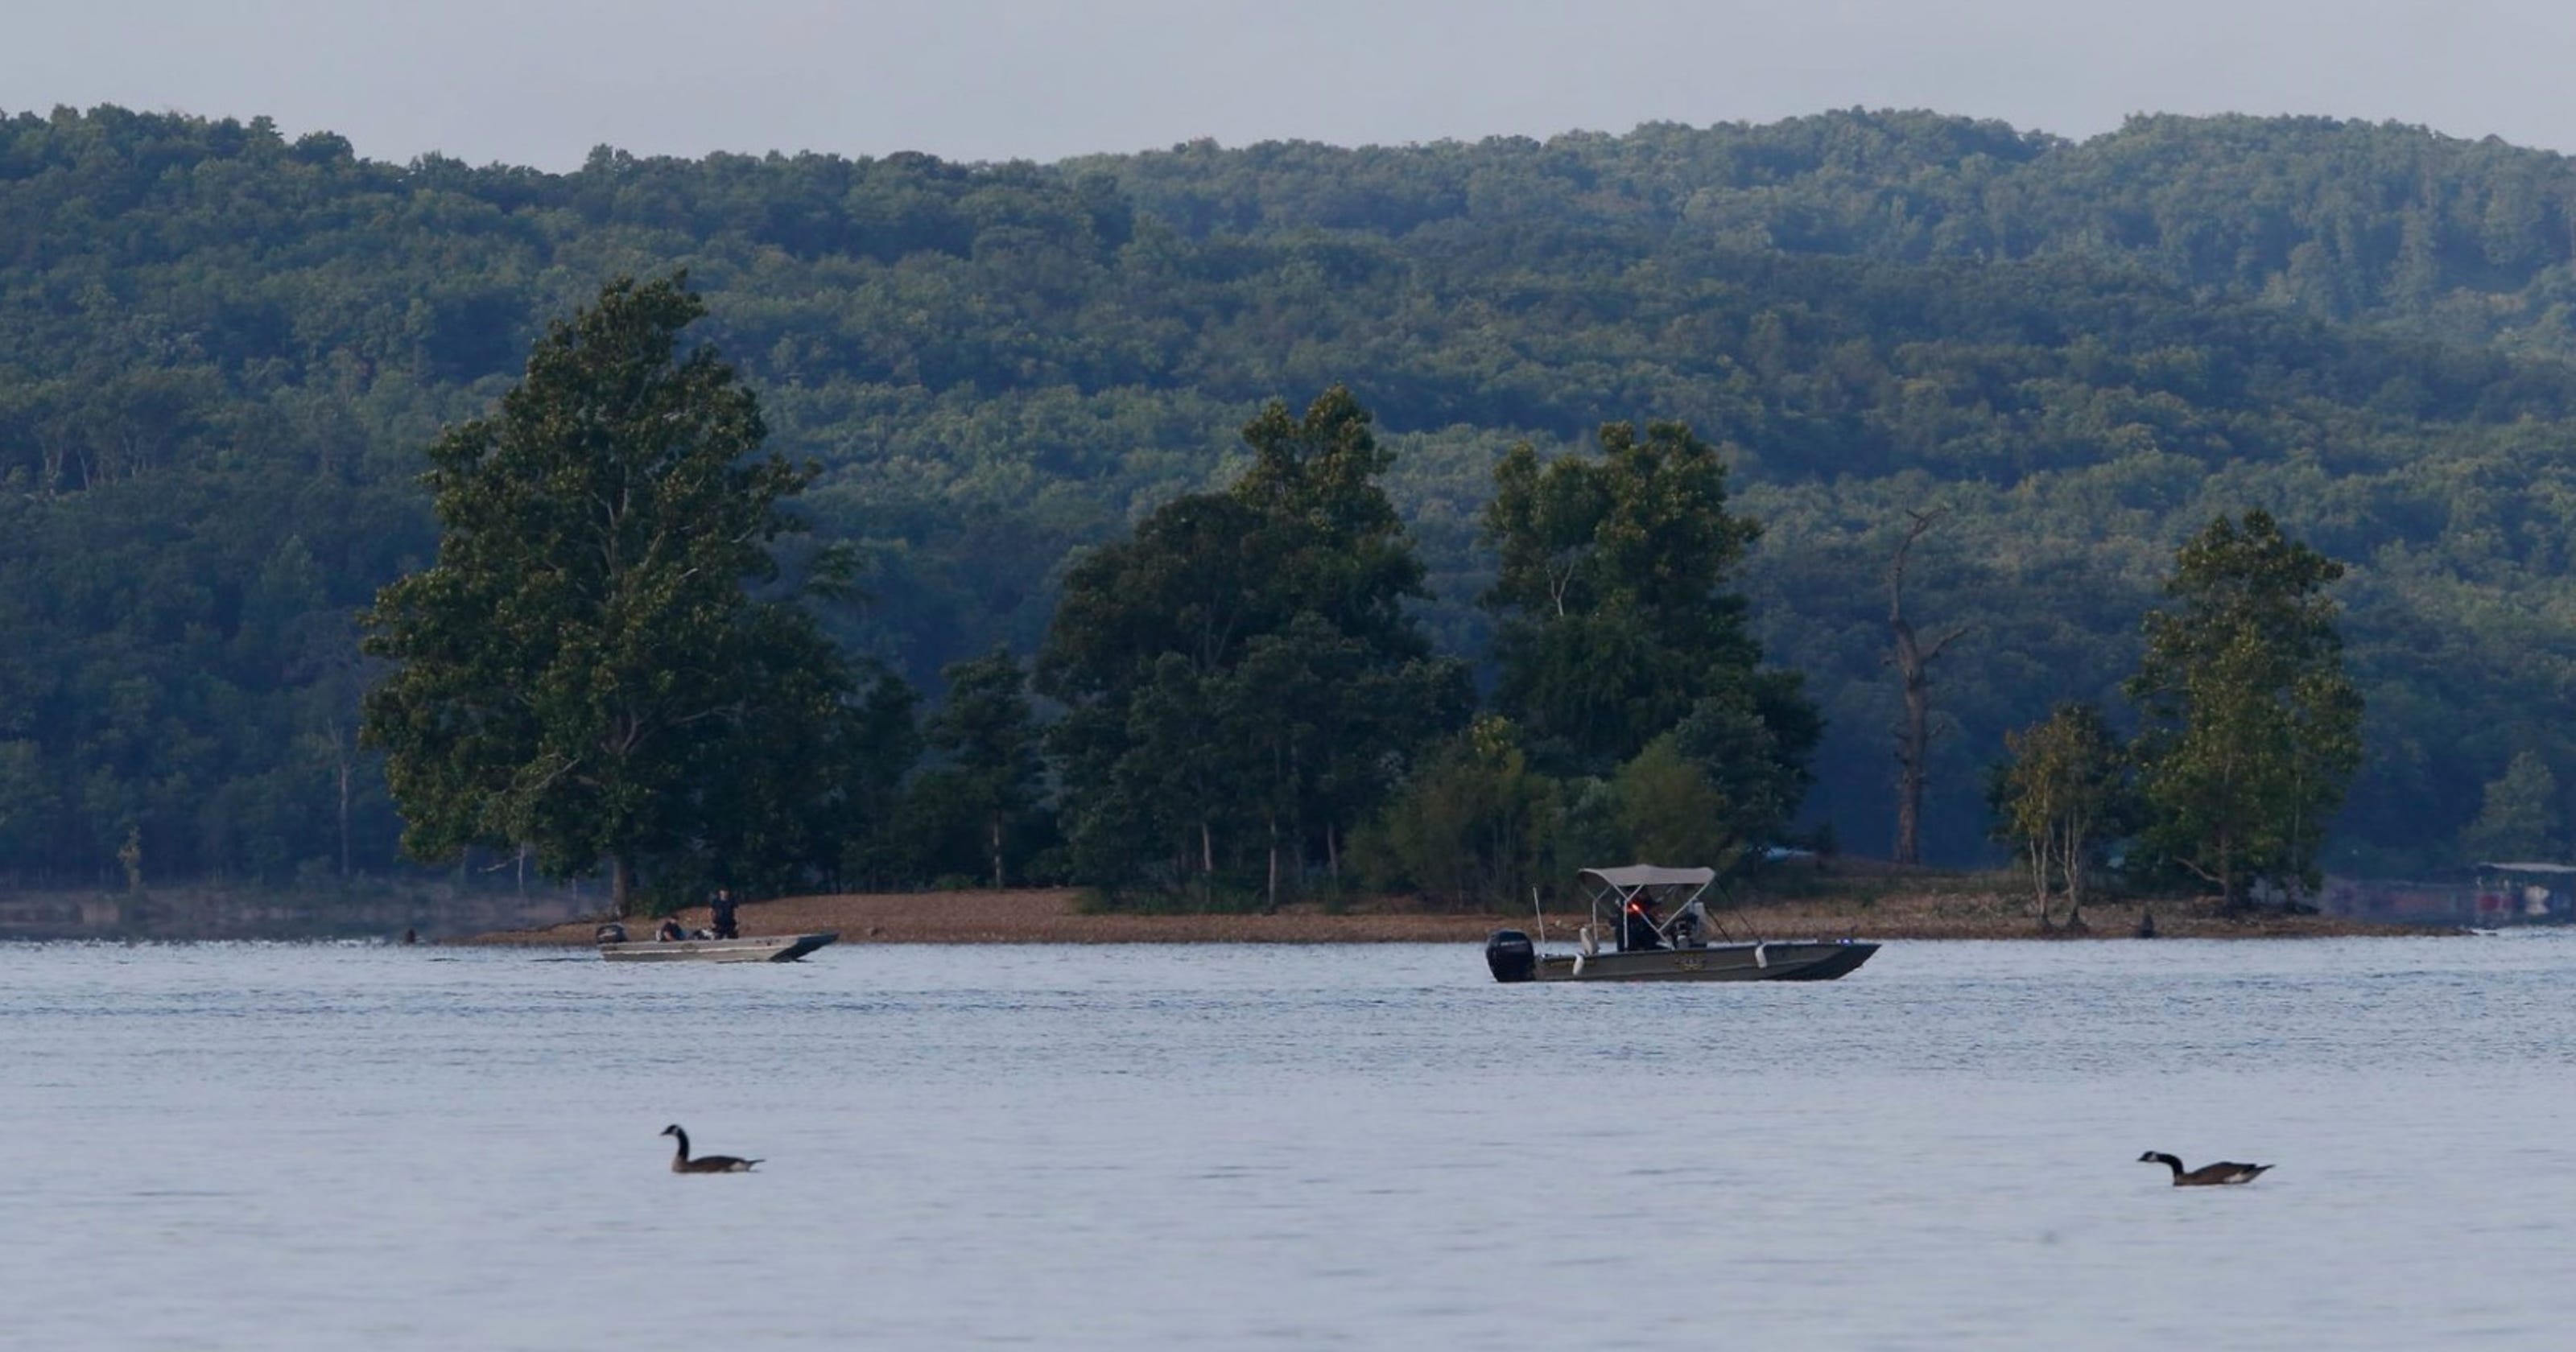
{"points": [[1641, 890]]}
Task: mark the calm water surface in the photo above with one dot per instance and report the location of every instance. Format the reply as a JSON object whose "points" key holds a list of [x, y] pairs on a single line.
{"points": [[318, 1147]]}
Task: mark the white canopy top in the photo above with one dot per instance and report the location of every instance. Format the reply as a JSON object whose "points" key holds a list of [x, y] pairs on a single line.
{"points": [[1652, 875]]}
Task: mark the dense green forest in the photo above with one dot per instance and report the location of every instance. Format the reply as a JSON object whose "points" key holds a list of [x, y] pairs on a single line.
{"points": [[223, 355]]}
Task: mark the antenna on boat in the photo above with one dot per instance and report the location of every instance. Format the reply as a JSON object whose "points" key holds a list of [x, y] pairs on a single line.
{"points": [[1726, 896]]}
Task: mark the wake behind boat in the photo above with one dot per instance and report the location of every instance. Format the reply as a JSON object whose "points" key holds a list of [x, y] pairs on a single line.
{"points": [[615, 946], [1646, 946]]}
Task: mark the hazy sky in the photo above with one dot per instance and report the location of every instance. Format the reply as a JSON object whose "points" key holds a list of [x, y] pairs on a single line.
{"points": [[541, 81]]}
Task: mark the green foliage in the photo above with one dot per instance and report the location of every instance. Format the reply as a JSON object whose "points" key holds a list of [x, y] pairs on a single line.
{"points": [[1619, 650], [1668, 812], [2523, 818], [179, 663], [1753, 741], [1611, 624], [992, 778], [582, 670], [2062, 798], [874, 817], [1474, 826], [2251, 728], [1714, 790], [213, 338], [1241, 678], [22, 794]]}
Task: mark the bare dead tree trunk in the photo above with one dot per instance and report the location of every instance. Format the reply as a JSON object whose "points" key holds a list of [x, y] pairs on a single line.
{"points": [[1913, 738], [2077, 828], [1270, 901], [1913, 663], [2039, 847], [621, 879], [53, 451], [2227, 899], [344, 762], [997, 852]]}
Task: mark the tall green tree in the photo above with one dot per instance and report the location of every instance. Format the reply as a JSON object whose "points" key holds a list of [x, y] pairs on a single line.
{"points": [[1145, 633], [808, 782], [1335, 545], [2063, 795], [1613, 618], [2252, 730], [2521, 817], [991, 741], [1610, 616], [585, 655], [1473, 826], [1243, 681]]}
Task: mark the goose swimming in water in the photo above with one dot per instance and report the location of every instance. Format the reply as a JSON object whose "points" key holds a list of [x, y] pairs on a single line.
{"points": [[707, 1164], [2207, 1175]]}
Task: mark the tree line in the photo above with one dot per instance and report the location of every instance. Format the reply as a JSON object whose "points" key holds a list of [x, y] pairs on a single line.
{"points": [[2250, 733], [1242, 695], [224, 348]]}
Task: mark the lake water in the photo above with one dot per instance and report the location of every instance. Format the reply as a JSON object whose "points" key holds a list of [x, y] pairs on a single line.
{"points": [[341, 1147]]}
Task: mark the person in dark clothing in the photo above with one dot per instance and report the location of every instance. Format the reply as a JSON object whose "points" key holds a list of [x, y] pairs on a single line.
{"points": [[670, 931], [720, 914], [1641, 927]]}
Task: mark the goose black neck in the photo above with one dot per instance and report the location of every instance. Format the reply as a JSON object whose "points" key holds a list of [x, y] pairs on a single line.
{"points": [[683, 1138], [2167, 1161]]}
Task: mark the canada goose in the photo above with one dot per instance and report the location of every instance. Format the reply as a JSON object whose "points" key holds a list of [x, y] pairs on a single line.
{"points": [[709, 1164], [2207, 1175]]}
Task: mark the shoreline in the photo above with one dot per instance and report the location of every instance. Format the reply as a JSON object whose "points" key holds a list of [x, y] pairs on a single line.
{"points": [[1053, 916]]}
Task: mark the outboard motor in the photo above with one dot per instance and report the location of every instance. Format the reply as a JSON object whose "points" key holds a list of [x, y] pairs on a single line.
{"points": [[610, 933], [1511, 955]]}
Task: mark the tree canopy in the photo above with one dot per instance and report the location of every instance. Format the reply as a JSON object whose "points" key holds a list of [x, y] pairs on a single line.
{"points": [[2252, 730], [1241, 678], [583, 671], [2062, 798], [217, 341], [1612, 621]]}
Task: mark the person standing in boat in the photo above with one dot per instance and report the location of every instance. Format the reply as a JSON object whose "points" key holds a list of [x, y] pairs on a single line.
{"points": [[1641, 926], [720, 910]]}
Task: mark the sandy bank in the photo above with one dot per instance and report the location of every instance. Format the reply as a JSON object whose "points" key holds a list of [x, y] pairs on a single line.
{"points": [[1051, 916]]}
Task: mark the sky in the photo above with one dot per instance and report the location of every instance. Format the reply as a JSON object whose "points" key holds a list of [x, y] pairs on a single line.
{"points": [[540, 82]]}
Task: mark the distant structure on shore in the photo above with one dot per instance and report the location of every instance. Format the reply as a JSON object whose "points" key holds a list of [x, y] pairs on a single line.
{"points": [[2492, 894]]}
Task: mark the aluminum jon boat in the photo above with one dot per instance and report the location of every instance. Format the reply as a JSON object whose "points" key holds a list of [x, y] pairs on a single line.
{"points": [[616, 947], [1648, 946]]}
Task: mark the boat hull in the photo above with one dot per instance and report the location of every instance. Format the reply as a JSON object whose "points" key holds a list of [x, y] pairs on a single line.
{"points": [[1792, 960], [761, 948]]}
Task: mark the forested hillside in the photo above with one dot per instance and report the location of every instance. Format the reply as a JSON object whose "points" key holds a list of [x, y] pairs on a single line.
{"points": [[222, 355]]}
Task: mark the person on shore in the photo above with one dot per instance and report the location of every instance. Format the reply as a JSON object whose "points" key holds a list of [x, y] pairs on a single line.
{"points": [[720, 914]]}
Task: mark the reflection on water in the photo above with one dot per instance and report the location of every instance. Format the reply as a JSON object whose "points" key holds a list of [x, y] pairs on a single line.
{"points": [[332, 1147]]}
